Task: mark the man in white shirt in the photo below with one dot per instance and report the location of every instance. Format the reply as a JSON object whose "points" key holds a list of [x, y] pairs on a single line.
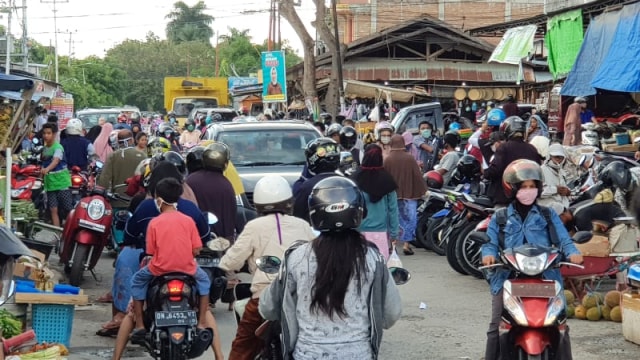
{"points": [[41, 119]]}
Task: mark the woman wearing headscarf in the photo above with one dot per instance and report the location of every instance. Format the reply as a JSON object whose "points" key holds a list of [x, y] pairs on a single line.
{"points": [[164, 169], [95, 131], [536, 128], [411, 187], [101, 145], [379, 190]]}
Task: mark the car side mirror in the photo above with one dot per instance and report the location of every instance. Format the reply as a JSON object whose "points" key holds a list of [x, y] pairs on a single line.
{"points": [[479, 237], [269, 264], [582, 237], [400, 276]]}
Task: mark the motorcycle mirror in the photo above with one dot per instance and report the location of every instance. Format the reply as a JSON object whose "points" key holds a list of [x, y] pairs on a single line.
{"points": [[269, 264], [211, 218], [99, 164], [400, 275], [582, 237], [479, 237], [219, 244]]}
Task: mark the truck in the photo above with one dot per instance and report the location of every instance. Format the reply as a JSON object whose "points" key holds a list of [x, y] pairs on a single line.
{"points": [[183, 94]]}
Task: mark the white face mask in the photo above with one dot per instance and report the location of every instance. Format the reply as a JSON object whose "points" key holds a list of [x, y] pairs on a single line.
{"points": [[159, 201], [385, 139]]}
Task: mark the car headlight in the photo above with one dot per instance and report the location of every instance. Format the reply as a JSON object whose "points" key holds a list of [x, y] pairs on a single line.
{"points": [[531, 265], [96, 209]]}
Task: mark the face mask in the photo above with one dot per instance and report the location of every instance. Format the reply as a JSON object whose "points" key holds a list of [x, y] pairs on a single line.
{"points": [[493, 148], [159, 201], [426, 133], [190, 128], [385, 139], [527, 196]]}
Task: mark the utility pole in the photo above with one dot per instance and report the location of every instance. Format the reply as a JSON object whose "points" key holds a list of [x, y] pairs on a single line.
{"points": [[55, 28], [70, 41], [25, 47], [338, 51], [8, 10], [217, 54]]}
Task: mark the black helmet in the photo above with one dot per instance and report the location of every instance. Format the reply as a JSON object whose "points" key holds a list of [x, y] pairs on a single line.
{"points": [[347, 164], [513, 126], [176, 159], [616, 175], [348, 137], [322, 155], [336, 204], [334, 129], [216, 156], [326, 118], [452, 138], [469, 166], [194, 159], [216, 117]]}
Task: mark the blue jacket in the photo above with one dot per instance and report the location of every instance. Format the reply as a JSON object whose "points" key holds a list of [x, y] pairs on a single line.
{"points": [[135, 231], [534, 229], [382, 216], [76, 151]]}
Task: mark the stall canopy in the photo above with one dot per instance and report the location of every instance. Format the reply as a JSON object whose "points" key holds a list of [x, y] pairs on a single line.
{"points": [[596, 44], [14, 83], [620, 69], [564, 38]]}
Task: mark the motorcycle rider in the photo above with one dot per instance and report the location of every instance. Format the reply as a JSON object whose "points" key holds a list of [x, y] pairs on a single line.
{"points": [[348, 141], [190, 135], [477, 142], [333, 132], [323, 160], [384, 131], [77, 149], [526, 223], [449, 160], [122, 123], [268, 235], [214, 192], [166, 131]]}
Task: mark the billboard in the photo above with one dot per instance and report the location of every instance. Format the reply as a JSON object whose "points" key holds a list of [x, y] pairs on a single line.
{"points": [[274, 77]]}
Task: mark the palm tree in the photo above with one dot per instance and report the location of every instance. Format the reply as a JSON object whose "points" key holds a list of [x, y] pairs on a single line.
{"points": [[189, 23]]}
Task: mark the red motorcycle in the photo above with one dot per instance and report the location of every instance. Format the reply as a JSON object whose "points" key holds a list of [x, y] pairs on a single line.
{"points": [[86, 233], [534, 317], [26, 183]]}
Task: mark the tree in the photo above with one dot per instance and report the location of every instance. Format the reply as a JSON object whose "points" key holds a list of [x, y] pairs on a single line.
{"points": [[332, 98], [238, 56], [93, 82], [189, 23]]}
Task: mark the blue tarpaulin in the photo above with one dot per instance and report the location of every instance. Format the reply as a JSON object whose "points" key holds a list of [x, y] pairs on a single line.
{"points": [[14, 83], [595, 47], [620, 69]]}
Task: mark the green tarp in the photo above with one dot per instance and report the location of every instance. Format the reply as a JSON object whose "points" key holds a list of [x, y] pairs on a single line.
{"points": [[563, 40], [516, 44]]}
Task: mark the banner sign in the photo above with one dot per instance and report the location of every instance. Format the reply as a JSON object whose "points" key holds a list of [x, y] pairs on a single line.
{"points": [[274, 77], [235, 81]]}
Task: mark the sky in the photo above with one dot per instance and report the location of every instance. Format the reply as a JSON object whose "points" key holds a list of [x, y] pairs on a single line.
{"points": [[94, 26]]}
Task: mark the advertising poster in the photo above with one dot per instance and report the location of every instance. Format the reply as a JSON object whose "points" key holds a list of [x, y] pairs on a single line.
{"points": [[274, 77], [63, 107]]}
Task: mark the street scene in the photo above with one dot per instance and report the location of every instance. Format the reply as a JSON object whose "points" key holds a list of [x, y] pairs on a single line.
{"points": [[320, 179]]}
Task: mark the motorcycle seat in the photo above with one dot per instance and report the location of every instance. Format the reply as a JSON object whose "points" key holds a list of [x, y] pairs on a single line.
{"points": [[483, 201]]}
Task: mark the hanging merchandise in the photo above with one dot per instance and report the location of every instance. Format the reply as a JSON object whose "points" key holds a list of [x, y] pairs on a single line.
{"points": [[563, 40], [515, 45]]}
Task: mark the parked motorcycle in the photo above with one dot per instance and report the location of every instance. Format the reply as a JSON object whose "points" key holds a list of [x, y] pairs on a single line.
{"points": [[533, 319]]}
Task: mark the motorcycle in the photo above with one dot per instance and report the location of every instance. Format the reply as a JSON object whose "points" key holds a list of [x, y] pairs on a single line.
{"points": [[209, 260], [534, 317], [86, 233]]}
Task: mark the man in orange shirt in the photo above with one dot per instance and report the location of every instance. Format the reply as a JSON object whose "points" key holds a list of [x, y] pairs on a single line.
{"points": [[172, 241]]}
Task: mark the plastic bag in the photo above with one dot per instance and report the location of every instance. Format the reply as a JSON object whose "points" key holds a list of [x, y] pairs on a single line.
{"points": [[394, 260]]}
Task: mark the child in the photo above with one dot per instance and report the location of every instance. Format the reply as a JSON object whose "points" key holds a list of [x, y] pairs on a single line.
{"points": [[172, 240], [57, 179]]}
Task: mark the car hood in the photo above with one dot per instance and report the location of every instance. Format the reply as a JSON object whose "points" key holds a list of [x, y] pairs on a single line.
{"points": [[251, 174]]}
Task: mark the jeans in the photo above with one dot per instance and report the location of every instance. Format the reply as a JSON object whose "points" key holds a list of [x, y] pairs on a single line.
{"points": [[408, 219], [246, 344], [141, 279]]}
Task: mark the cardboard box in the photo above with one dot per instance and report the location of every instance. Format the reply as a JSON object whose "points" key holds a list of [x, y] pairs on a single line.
{"points": [[630, 307], [598, 246], [25, 272]]}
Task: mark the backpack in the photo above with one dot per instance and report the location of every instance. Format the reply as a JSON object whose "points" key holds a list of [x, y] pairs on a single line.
{"points": [[501, 220]]}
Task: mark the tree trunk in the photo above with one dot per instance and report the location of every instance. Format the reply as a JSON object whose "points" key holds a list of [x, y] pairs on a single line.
{"points": [[288, 12], [332, 99]]}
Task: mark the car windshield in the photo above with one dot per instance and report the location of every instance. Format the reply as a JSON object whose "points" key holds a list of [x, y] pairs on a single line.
{"points": [[267, 147], [183, 106], [91, 120]]}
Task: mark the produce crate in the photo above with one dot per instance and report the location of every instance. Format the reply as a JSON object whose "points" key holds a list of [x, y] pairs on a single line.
{"points": [[53, 323], [631, 317]]}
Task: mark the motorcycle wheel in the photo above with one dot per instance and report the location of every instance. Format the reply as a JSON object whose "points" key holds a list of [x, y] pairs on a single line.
{"points": [[451, 248], [421, 231], [468, 252], [172, 352], [434, 235], [77, 268], [522, 355]]}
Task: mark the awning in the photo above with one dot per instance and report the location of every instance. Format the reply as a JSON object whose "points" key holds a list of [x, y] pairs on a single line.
{"points": [[620, 69], [516, 44], [564, 38], [14, 83], [366, 90], [596, 45]]}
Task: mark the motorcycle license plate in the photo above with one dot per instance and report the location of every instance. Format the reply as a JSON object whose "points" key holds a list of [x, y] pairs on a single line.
{"points": [[208, 262], [539, 290], [176, 318]]}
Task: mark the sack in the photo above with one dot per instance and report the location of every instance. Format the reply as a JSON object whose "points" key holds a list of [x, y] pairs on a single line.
{"points": [[394, 260], [623, 238]]}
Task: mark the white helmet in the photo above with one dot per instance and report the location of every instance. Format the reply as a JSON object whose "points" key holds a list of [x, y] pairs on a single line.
{"points": [[383, 125], [74, 127], [273, 194]]}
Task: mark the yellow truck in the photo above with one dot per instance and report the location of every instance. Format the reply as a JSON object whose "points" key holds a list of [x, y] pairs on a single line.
{"points": [[183, 94]]}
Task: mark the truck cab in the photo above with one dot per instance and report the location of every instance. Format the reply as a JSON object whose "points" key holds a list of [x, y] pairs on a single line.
{"points": [[183, 94]]}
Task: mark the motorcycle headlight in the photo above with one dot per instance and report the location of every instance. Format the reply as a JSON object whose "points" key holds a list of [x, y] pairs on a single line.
{"points": [[531, 265], [96, 209], [514, 307], [555, 308]]}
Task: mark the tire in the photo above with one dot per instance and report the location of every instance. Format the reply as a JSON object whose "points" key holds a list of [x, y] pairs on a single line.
{"points": [[77, 268], [522, 355], [468, 252], [171, 351], [422, 231], [451, 247], [434, 232]]}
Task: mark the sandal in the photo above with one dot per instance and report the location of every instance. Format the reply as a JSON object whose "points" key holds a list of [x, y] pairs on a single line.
{"points": [[408, 251], [112, 332]]}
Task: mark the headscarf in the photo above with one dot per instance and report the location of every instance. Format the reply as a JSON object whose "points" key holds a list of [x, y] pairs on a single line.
{"points": [[371, 177], [404, 170], [93, 134], [162, 170], [101, 145]]}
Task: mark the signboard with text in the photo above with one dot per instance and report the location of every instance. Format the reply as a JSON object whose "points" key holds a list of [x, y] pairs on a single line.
{"points": [[274, 77]]}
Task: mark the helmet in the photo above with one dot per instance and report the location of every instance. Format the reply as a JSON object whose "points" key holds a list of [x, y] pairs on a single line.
{"points": [[334, 129], [74, 127], [322, 155], [165, 130], [469, 166], [273, 194], [454, 126], [519, 171], [194, 159], [113, 139], [434, 179], [513, 126], [452, 138], [215, 117], [158, 145], [616, 175], [141, 169], [189, 122], [176, 159], [216, 156], [336, 204], [326, 118], [347, 164], [383, 125], [580, 99], [495, 117], [348, 137]]}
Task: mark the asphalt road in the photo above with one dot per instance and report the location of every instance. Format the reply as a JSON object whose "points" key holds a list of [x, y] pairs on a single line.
{"points": [[452, 326]]}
